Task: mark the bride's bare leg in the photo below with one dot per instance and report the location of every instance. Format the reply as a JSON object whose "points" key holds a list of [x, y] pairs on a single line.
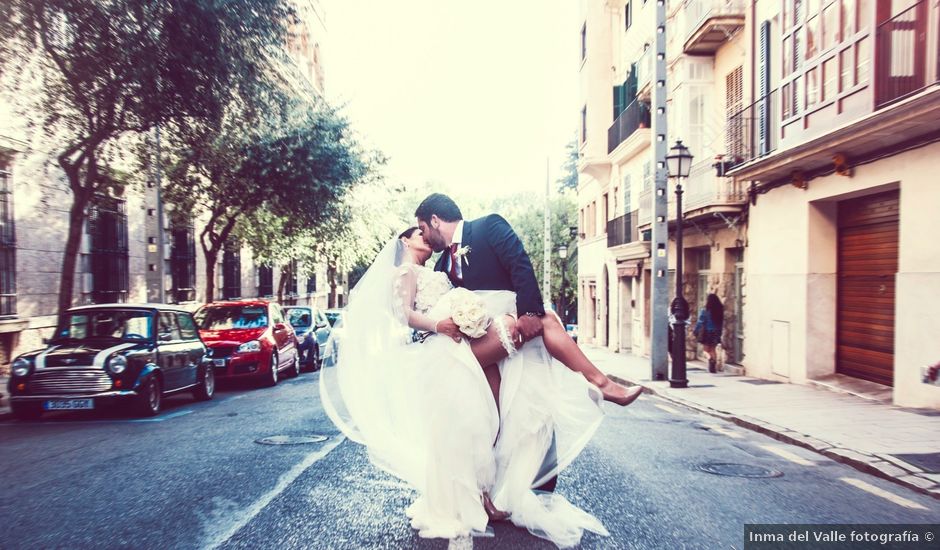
{"points": [[562, 347], [492, 377]]}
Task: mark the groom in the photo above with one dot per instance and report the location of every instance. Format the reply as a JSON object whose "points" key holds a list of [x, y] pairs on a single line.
{"points": [[486, 254]]}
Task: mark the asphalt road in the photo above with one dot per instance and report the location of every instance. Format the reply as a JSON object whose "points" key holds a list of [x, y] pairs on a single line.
{"points": [[195, 477]]}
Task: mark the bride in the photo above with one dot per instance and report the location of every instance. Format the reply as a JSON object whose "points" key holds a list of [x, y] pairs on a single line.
{"points": [[425, 412]]}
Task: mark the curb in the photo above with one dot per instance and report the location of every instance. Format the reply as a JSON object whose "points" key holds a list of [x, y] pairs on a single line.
{"points": [[885, 467]]}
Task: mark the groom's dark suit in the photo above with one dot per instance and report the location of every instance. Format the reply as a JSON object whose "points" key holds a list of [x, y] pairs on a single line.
{"points": [[496, 261]]}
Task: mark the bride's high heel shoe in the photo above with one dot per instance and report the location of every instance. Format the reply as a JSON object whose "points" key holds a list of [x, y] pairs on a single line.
{"points": [[492, 512], [621, 395]]}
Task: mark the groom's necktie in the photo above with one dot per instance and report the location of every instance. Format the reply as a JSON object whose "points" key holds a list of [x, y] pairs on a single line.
{"points": [[452, 272]]}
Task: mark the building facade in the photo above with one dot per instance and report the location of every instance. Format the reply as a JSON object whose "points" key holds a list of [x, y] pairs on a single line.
{"points": [[809, 207], [706, 59], [119, 256], [841, 127]]}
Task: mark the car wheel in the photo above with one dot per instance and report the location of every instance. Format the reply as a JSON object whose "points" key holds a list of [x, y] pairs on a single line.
{"points": [[271, 378], [150, 399], [315, 360], [26, 411], [295, 365], [206, 387]]}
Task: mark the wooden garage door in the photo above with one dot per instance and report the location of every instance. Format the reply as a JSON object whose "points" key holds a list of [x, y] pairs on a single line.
{"points": [[868, 263]]}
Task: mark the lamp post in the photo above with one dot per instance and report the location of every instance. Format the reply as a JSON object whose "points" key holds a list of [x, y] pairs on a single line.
{"points": [[678, 163]]}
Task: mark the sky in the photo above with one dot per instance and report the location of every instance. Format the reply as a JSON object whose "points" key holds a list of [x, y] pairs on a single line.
{"points": [[472, 96]]}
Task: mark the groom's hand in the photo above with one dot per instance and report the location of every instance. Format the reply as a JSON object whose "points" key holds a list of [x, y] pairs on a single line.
{"points": [[450, 328], [529, 327]]}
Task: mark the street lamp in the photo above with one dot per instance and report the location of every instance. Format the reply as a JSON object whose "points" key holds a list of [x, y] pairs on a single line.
{"points": [[678, 163], [563, 306]]}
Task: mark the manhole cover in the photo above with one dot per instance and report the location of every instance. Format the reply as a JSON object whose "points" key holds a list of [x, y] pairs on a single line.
{"points": [[738, 470], [292, 439]]}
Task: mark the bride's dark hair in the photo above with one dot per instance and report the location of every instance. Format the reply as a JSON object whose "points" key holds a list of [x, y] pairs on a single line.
{"points": [[406, 234]]}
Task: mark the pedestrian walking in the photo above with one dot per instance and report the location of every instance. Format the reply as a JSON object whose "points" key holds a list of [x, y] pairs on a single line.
{"points": [[708, 328]]}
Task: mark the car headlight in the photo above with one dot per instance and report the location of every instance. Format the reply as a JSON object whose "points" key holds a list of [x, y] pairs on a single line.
{"points": [[21, 367], [249, 347], [117, 364]]}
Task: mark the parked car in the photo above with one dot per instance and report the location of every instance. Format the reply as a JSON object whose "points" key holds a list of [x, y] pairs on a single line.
{"points": [[312, 329], [331, 347], [249, 339], [105, 353]]}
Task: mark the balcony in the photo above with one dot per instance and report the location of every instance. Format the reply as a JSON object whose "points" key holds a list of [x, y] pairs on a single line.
{"points": [[903, 46], [622, 230], [707, 193], [899, 109], [634, 117], [710, 23]]}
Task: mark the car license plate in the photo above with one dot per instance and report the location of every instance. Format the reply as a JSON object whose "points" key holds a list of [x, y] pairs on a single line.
{"points": [[218, 362], [68, 404]]}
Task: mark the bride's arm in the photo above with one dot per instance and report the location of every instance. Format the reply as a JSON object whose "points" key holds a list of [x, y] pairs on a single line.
{"points": [[406, 287]]}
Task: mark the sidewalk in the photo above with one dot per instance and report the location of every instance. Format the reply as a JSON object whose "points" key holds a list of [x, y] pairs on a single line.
{"points": [[900, 445]]}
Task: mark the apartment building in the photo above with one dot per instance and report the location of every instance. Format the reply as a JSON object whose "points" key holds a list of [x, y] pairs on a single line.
{"points": [[840, 141], [119, 256], [707, 66]]}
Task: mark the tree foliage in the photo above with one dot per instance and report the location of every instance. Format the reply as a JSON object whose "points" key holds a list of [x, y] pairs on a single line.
{"points": [[568, 180], [116, 67]]}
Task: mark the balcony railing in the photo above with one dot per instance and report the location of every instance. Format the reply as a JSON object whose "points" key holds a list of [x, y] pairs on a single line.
{"points": [[709, 23], [622, 230], [906, 46], [635, 116], [752, 132], [703, 188]]}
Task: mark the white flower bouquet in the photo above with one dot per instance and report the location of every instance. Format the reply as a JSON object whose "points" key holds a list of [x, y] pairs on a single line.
{"points": [[468, 311]]}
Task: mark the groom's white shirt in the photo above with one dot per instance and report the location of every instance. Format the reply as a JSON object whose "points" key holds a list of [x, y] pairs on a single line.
{"points": [[457, 239]]}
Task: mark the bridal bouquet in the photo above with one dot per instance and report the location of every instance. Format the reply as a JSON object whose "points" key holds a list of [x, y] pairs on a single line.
{"points": [[468, 311]]}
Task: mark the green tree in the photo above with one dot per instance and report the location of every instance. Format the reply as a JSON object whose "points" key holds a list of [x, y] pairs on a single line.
{"points": [[278, 174], [121, 67], [568, 180], [529, 224]]}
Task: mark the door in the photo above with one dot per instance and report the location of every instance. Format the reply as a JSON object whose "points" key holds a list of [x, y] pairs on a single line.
{"points": [[739, 296], [868, 264], [171, 351], [193, 351], [283, 335]]}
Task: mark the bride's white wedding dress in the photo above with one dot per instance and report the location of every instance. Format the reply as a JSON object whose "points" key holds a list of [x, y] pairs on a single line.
{"points": [[426, 413]]}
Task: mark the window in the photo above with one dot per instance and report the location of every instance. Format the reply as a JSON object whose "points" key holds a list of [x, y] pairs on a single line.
{"points": [[830, 72], [830, 26], [786, 100], [7, 246], [312, 283], [848, 18], [167, 329], [583, 41], [812, 37], [627, 15], [846, 78], [187, 326], [861, 61], [812, 87], [265, 281], [863, 12], [183, 263], [231, 271], [734, 104], [290, 287], [626, 193], [584, 124], [107, 227]]}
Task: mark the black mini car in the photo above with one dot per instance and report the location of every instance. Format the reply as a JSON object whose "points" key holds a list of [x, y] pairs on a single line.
{"points": [[136, 353]]}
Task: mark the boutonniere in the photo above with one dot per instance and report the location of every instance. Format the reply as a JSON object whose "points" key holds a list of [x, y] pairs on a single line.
{"points": [[462, 253]]}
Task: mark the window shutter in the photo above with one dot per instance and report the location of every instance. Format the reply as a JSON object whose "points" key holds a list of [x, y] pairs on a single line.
{"points": [[763, 114]]}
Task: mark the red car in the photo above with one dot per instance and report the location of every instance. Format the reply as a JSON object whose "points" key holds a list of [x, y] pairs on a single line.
{"points": [[248, 339]]}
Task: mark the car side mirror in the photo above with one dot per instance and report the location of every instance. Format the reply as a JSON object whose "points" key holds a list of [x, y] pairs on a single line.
{"points": [[165, 337], [45, 341], [280, 326], [320, 325]]}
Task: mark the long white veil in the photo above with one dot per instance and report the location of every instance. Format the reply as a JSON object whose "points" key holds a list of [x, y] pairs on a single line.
{"points": [[358, 388]]}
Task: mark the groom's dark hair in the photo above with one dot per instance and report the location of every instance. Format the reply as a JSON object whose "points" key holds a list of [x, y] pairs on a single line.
{"points": [[440, 204]]}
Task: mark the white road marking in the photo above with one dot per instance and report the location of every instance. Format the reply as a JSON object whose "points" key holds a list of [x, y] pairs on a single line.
{"points": [[783, 453], [232, 521], [666, 408], [723, 431], [869, 488]]}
